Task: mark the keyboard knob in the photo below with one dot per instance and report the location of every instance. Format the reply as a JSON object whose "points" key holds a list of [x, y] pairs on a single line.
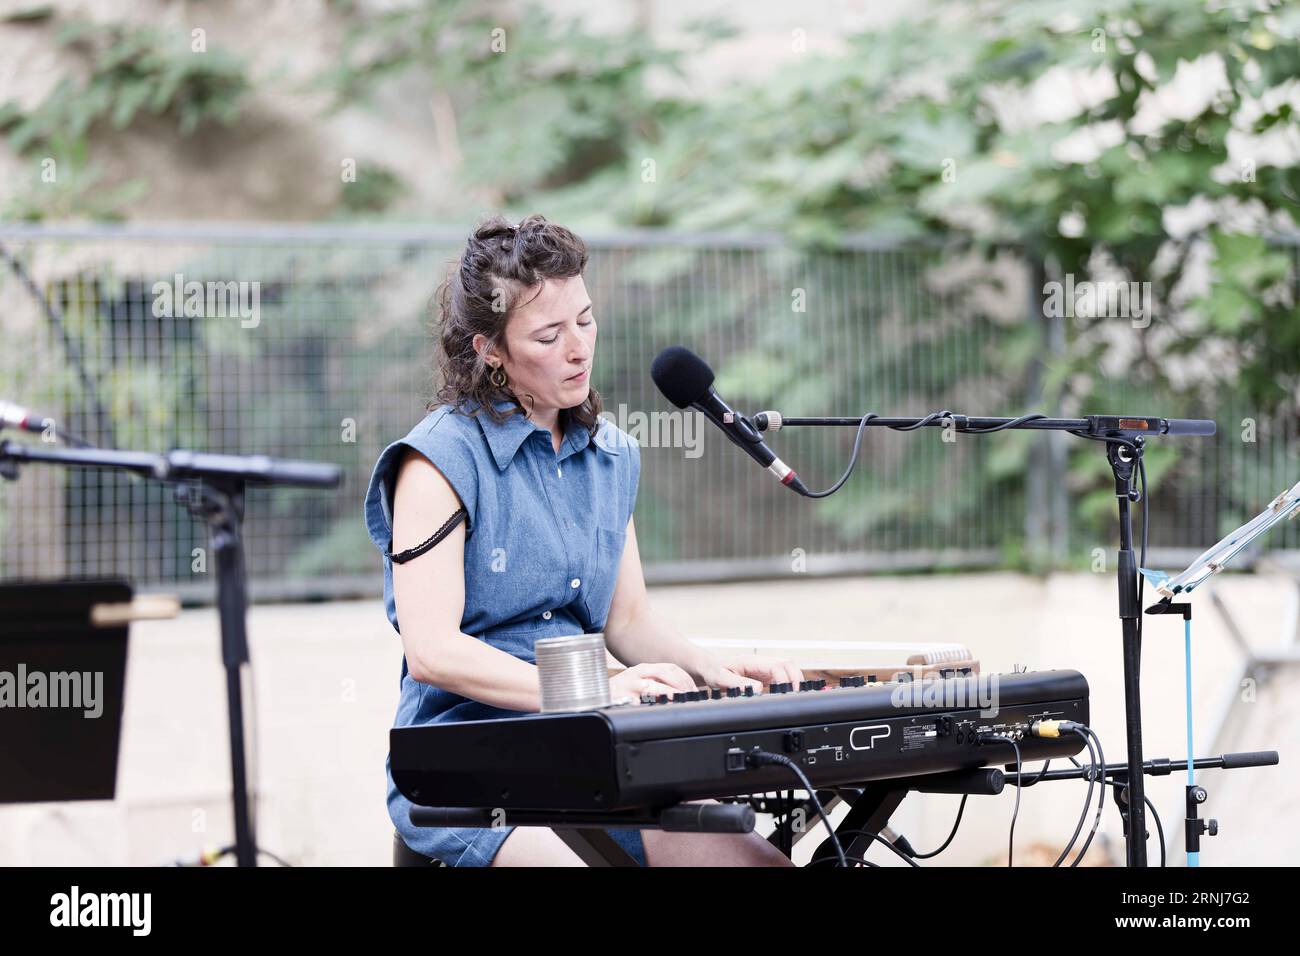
{"points": [[717, 694], [749, 690]]}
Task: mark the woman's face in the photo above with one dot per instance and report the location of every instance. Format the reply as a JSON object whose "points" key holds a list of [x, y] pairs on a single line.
{"points": [[551, 341]]}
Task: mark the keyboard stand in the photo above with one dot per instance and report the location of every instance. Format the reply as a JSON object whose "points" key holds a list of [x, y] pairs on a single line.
{"points": [[583, 831], [871, 806]]}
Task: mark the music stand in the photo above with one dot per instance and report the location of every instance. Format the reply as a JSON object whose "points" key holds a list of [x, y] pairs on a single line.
{"points": [[61, 742]]}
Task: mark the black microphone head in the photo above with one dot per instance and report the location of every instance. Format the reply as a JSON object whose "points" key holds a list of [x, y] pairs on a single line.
{"points": [[681, 375]]}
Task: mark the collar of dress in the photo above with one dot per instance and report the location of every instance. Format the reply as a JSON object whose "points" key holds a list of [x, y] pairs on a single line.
{"points": [[506, 438]]}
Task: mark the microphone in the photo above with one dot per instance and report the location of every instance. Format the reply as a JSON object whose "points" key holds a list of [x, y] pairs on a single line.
{"points": [[15, 416], [687, 381]]}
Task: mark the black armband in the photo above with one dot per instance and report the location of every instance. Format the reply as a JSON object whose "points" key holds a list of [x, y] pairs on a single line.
{"points": [[404, 556]]}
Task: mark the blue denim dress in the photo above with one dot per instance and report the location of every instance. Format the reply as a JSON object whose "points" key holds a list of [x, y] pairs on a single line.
{"points": [[545, 535]]}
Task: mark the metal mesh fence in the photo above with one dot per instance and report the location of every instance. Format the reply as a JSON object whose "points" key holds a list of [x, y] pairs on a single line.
{"points": [[315, 343]]}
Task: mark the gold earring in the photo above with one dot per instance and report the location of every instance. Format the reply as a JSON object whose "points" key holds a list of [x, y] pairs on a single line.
{"points": [[497, 370]]}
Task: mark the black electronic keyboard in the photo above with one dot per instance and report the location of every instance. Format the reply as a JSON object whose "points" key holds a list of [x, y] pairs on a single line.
{"points": [[694, 747]]}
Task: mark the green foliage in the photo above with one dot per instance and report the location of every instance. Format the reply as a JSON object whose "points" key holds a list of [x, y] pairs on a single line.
{"points": [[925, 130], [68, 187], [535, 102], [129, 71], [374, 190]]}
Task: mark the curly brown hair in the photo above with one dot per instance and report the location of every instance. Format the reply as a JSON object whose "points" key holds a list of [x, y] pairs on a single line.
{"points": [[500, 265]]}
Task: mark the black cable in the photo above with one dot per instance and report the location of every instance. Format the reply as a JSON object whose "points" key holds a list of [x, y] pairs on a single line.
{"points": [[71, 439], [1011, 424], [1101, 800], [1046, 764], [960, 810], [922, 422], [224, 852], [1139, 474], [781, 819], [783, 805], [1015, 813], [856, 859], [1142, 560], [789, 814], [853, 459], [1087, 797], [1106, 438], [757, 758], [1160, 829], [879, 839]]}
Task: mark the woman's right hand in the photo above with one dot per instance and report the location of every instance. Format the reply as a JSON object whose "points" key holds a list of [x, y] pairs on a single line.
{"points": [[649, 679]]}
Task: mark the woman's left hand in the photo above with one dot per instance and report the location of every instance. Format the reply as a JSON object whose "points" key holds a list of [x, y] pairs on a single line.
{"points": [[750, 670]]}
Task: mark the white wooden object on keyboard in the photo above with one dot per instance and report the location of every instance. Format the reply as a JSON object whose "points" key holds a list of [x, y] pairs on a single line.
{"points": [[833, 659]]}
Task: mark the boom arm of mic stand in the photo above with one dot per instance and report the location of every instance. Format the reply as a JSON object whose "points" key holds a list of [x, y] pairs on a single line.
{"points": [[1124, 437]]}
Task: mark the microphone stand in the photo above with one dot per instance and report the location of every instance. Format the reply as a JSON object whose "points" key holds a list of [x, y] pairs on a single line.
{"points": [[1121, 779], [219, 500], [1124, 437]]}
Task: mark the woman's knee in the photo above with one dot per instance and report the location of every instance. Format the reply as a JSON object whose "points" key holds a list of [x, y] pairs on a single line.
{"points": [[710, 849], [535, 846]]}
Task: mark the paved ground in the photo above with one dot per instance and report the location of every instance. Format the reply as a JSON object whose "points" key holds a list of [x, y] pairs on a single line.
{"points": [[326, 678]]}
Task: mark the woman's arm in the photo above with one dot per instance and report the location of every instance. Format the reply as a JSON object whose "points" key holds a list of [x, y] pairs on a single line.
{"points": [[634, 633], [429, 592]]}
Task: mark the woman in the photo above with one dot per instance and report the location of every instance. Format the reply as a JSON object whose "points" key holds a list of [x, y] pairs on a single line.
{"points": [[505, 516]]}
